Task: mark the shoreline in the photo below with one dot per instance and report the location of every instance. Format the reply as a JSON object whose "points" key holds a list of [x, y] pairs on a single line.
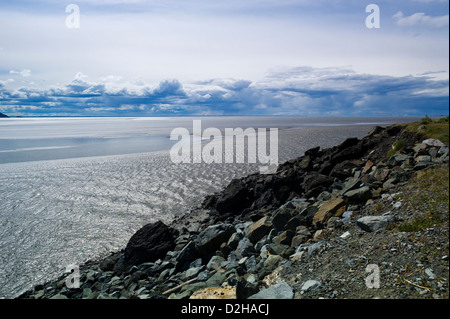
{"points": [[200, 243]]}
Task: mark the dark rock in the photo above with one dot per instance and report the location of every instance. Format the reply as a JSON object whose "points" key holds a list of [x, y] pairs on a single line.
{"points": [[150, 243], [188, 253], [359, 195], [245, 289], [235, 198], [108, 263], [281, 217], [259, 229], [345, 169], [210, 239], [314, 184]]}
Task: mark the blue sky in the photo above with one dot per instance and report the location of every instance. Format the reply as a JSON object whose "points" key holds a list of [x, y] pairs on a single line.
{"points": [[208, 57]]}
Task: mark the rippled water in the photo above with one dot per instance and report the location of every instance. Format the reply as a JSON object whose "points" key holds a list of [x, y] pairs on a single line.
{"points": [[57, 212]]}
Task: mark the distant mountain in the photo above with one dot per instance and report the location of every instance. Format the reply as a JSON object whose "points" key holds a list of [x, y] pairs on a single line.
{"points": [[3, 115]]}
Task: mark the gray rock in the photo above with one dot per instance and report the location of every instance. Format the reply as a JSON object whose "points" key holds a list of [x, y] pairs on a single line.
{"points": [[210, 239], [193, 272], [234, 240], [443, 151], [373, 223], [279, 291], [252, 265], [245, 247], [347, 217], [310, 285], [204, 275], [214, 263], [359, 195], [433, 142]]}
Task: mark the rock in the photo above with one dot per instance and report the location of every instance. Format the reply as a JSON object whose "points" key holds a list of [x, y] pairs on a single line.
{"points": [[245, 247], [397, 159], [310, 285], [210, 239], [335, 222], [278, 249], [279, 291], [367, 167], [347, 217], [443, 151], [281, 217], [373, 223], [234, 198], [227, 292], [272, 262], [359, 195], [244, 288], [252, 265], [234, 240], [150, 243], [300, 238], [345, 235], [390, 183], [423, 158], [259, 229], [430, 273], [306, 163], [433, 142], [188, 253], [420, 149], [284, 238], [193, 272], [314, 184], [333, 207], [59, 296]]}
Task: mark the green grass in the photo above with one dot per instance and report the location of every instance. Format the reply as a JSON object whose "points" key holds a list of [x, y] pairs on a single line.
{"points": [[397, 147], [431, 198], [438, 129]]}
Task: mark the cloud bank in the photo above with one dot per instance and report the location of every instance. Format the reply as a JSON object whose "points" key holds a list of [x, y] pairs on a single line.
{"points": [[300, 91]]}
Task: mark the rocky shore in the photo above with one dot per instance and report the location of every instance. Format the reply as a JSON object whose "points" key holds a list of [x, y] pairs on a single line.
{"points": [[331, 224]]}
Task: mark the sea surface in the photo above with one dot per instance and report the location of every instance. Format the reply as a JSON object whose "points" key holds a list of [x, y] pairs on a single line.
{"points": [[74, 189]]}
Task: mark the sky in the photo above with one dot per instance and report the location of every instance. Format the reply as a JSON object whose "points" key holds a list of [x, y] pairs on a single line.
{"points": [[213, 58]]}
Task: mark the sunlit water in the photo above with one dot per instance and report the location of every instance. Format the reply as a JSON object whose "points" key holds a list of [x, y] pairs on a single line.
{"points": [[77, 189]]}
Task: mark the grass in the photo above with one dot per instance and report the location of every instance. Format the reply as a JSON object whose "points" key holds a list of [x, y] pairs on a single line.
{"points": [[437, 129], [397, 147], [431, 198]]}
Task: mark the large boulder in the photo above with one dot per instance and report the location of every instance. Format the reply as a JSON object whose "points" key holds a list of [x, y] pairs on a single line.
{"points": [[148, 244]]}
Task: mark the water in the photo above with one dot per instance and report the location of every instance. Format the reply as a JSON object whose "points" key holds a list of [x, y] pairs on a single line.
{"points": [[73, 189]]}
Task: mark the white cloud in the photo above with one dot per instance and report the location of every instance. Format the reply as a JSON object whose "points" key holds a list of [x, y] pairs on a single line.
{"points": [[420, 19], [23, 72]]}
